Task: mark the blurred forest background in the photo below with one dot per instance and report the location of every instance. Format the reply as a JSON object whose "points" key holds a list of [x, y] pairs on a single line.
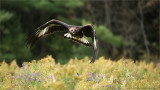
{"points": [[128, 29]]}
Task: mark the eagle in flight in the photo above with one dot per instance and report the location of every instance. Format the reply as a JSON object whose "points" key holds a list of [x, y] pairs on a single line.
{"points": [[71, 32]]}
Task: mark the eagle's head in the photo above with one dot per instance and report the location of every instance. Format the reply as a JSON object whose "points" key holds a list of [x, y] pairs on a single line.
{"points": [[73, 30]]}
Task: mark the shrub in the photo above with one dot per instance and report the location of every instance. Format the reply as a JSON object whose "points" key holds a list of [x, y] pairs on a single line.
{"points": [[80, 75]]}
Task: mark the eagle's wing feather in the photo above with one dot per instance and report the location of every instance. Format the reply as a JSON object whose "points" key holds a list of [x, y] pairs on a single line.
{"points": [[46, 29], [89, 31]]}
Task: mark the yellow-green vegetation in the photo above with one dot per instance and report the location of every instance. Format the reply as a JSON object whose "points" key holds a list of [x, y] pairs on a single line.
{"points": [[80, 75]]}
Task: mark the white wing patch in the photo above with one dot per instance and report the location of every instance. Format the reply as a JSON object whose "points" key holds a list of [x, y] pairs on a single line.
{"points": [[95, 44], [43, 32]]}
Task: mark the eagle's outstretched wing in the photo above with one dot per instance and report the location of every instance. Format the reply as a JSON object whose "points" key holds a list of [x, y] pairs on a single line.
{"points": [[45, 29], [89, 31]]}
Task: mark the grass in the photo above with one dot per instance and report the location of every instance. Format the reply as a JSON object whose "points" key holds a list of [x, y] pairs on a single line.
{"points": [[104, 74]]}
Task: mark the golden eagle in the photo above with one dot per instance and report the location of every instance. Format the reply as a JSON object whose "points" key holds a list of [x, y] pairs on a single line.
{"points": [[71, 32]]}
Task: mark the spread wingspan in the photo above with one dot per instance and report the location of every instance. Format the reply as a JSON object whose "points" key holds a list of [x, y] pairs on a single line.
{"points": [[71, 32], [46, 29]]}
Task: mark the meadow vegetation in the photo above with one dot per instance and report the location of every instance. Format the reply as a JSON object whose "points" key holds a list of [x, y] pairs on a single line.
{"points": [[77, 74]]}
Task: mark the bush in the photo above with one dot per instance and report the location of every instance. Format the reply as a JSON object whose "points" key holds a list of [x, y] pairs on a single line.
{"points": [[80, 75]]}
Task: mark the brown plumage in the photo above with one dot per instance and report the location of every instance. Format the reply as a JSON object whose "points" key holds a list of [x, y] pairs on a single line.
{"points": [[71, 32]]}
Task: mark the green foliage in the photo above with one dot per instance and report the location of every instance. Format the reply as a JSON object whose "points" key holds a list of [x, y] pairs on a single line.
{"points": [[12, 44], [105, 35], [81, 51], [46, 5], [61, 48], [5, 16], [73, 4]]}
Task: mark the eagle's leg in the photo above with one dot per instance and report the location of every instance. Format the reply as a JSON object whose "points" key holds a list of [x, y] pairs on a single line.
{"points": [[84, 40], [78, 39]]}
